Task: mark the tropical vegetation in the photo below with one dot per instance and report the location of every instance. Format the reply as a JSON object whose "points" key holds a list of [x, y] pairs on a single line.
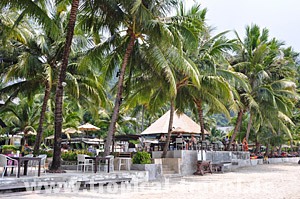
{"points": [[121, 64]]}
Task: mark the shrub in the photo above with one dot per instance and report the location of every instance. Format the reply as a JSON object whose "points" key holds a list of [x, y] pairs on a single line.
{"points": [[72, 155], [10, 148], [69, 156], [141, 157], [49, 153]]}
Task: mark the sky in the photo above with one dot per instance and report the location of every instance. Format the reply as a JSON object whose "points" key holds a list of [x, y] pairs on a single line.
{"points": [[280, 17]]}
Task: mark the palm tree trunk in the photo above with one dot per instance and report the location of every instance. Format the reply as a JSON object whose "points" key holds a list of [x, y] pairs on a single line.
{"points": [[267, 150], [201, 119], [166, 147], [143, 119], [280, 146], [112, 126], [249, 127], [257, 147], [291, 144], [56, 163], [42, 117], [236, 128]]}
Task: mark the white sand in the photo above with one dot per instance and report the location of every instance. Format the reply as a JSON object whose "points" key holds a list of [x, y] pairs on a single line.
{"points": [[276, 181]]}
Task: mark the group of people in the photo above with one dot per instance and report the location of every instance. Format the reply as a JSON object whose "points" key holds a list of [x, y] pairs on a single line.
{"points": [[235, 144], [186, 143], [191, 142]]}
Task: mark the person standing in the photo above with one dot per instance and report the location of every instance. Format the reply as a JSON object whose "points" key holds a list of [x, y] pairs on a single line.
{"points": [[245, 145], [192, 142]]}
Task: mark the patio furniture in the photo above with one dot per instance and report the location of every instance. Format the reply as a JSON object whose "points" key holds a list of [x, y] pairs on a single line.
{"points": [[220, 166], [110, 163], [84, 163], [203, 167], [43, 162], [30, 162], [24, 162], [124, 159], [179, 143], [99, 161], [7, 162]]}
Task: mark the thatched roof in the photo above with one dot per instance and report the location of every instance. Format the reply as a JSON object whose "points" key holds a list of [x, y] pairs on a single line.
{"points": [[181, 123]]}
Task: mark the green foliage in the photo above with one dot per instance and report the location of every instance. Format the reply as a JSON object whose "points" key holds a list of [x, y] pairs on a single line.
{"points": [[134, 141], [141, 157], [69, 156], [72, 155], [10, 148], [49, 153]]}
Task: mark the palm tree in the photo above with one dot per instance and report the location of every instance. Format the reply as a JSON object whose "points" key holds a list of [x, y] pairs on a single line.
{"points": [[77, 79], [59, 88], [21, 117], [29, 66], [146, 23], [256, 58]]}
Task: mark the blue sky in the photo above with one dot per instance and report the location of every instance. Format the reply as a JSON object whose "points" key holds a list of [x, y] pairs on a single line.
{"points": [[282, 18]]}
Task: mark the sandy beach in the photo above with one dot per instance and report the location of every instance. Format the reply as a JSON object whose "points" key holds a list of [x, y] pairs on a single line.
{"points": [[274, 181]]}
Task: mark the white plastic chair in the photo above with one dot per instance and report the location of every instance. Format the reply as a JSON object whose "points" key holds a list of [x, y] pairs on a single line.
{"points": [[7, 162], [179, 143], [105, 165], [84, 163], [30, 162], [35, 164]]}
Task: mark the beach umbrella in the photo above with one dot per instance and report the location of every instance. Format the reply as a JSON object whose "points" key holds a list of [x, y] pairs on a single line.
{"points": [[71, 131], [51, 137], [28, 133], [88, 127]]}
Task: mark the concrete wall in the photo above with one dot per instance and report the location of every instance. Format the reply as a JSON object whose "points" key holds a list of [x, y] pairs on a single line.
{"points": [[183, 162], [170, 154], [154, 171], [189, 162], [282, 160], [219, 156]]}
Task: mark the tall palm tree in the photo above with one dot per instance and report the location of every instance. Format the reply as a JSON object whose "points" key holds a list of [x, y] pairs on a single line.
{"points": [[145, 22], [30, 67], [55, 166], [256, 58]]}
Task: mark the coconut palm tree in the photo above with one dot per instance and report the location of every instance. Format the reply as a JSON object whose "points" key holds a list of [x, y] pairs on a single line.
{"points": [[21, 117], [55, 166], [256, 58], [34, 10], [146, 26]]}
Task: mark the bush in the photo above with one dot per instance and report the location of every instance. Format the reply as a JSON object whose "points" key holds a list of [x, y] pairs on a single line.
{"points": [[141, 157], [49, 153], [10, 148], [69, 156], [72, 155]]}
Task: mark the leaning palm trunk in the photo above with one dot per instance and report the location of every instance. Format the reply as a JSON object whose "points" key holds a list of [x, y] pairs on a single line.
{"points": [[291, 144], [249, 127], [166, 147], [201, 119], [42, 118], [280, 146], [257, 147], [236, 128], [267, 150], [56, 163], [112, 126], [143, 119]]}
